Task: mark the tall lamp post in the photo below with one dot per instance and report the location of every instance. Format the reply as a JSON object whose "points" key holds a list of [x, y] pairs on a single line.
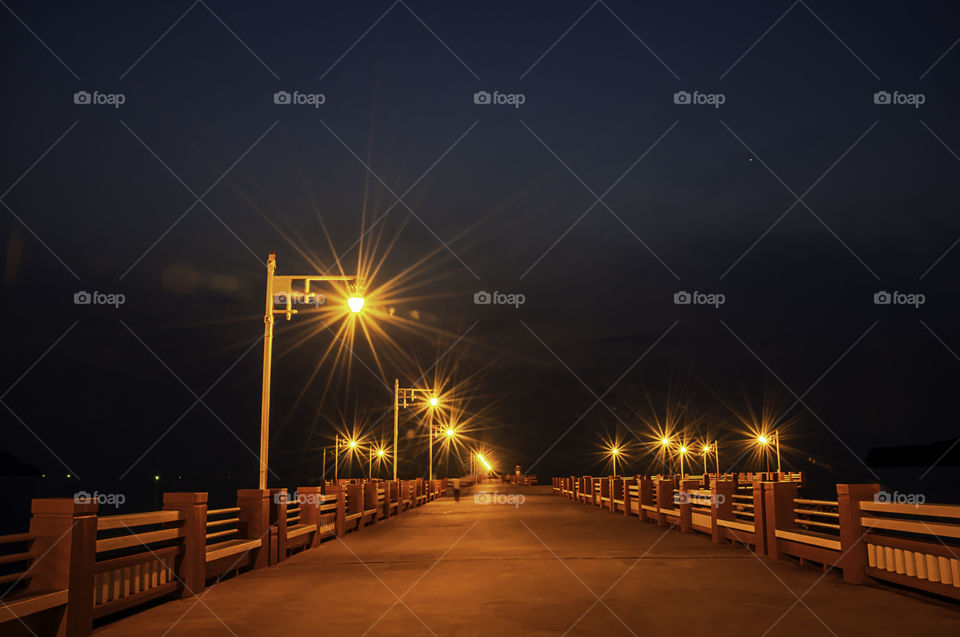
{"points": [[349, 446], [764, 440], [450, 432], [401, 395], [707, 450], [665, 448], [280, 292], [683, 452]]}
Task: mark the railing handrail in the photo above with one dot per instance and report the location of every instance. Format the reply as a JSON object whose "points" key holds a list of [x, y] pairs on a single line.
{"points": [[927, 510], [128, 520]]}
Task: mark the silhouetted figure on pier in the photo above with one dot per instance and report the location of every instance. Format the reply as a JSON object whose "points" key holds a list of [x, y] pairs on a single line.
{"points": [[456, 489]]}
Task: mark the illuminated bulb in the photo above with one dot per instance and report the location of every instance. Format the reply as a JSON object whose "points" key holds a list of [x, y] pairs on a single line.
{"points": [[683, 450], [664, 441], [434, 401], [355, 303], [380, 452], [353, 443], [449, 432], [614, 451], [762, 439]]}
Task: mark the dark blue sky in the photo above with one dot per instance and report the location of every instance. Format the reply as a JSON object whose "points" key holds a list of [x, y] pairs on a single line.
{"points": [[699, 199]]}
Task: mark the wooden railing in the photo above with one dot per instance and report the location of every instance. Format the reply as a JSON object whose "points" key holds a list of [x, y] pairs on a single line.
{"points": [[916, 545], [135, 559], [29, 597], [861, 534], [75, 566]]}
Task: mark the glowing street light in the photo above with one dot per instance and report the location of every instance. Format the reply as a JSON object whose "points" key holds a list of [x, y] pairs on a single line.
{"points": [[450, 433], [280, 290], [664, 449], [706, 449], [355, 303], [484, 462], [614, 452], [683, 452], [400, 397], [764, 440]]}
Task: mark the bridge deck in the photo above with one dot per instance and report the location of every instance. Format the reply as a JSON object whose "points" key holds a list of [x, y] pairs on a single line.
{"points": [[536, 568]]}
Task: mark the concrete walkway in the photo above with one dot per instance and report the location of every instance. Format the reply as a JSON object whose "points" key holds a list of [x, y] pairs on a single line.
{"points": [[545, 566]]}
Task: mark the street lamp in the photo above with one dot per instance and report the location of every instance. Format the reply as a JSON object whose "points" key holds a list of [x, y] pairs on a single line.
{"points": [[400, 397], [614, 452], [683, 452], [764, 440], [351, 446], [664, 444], [280, 292], [484, 462], [707, 449], [355, 303]]}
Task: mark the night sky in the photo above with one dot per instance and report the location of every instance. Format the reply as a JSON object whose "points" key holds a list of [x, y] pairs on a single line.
{"points": [[798, 197]]}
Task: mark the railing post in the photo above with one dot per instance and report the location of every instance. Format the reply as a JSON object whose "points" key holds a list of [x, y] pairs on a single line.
{"points": [[664, 496], [386, 500], [853, 550], [66, 543], [627, 502], [191, 566], [370, 500], [777, 512], [254, 524], [645, 495], [337, 490], [355, 502], [684, 504], [309, 500], [721, 506], [278, 525]]}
